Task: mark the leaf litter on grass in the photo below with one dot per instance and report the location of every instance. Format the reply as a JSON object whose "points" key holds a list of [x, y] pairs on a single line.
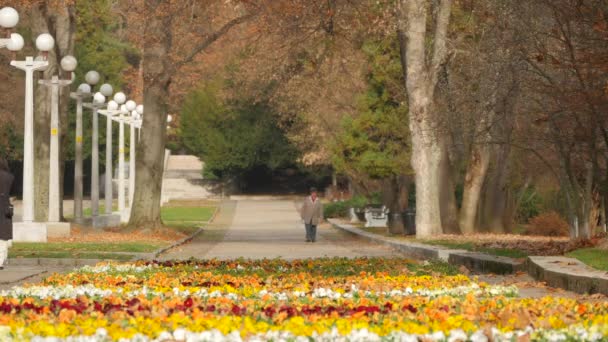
{"points": [[79, 234]]}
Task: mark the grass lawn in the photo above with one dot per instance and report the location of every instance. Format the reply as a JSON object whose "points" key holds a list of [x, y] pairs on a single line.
{"points": [[187, 228], [186, 214], [64, 255], [470, 246], [102, 210], [594, 257], [82, 250]]}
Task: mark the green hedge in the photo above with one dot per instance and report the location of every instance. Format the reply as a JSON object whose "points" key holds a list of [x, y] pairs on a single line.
{"points": [[340, 209]]}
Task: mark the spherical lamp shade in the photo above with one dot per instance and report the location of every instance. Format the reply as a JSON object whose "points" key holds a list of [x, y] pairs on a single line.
{"points": [[84, 88], [45, 42], [120, 98], [98, 98], [112, 105], [123, 109], [106, 89], [140, 109], [16, 43], [169, 118], [131, 105], [9, 17], [92, 77], [69, 63]]}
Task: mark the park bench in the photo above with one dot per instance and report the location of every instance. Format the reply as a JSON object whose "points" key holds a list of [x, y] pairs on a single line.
{"points": [[376, 216]]}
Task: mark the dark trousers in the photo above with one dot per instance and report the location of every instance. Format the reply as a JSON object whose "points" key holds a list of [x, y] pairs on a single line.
{"points": [[311, 231]]}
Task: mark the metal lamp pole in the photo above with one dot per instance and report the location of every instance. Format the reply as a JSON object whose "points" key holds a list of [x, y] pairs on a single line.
{"points": [[112, 110], [44, 43], [68, 63], [84, 91], [107, 91], [9, 18], [98, 102], [130, 106], [134, 123]]}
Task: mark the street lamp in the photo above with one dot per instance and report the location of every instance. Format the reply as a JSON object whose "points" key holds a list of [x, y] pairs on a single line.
{"points": [[99, 100], [9, 18], [68, 64], [112, 109], [44, 43], [135, 122], [83, 91], [129, 106]]}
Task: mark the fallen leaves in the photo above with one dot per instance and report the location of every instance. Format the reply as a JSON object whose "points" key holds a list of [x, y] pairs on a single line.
{"points": [[79, 234]]}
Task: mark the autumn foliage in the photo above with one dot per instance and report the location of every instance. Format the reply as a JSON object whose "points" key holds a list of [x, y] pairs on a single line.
{"points": [[548, 224]]}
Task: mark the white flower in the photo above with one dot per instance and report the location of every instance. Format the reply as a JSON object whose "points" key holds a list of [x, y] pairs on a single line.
{"points": [[457, 335]]}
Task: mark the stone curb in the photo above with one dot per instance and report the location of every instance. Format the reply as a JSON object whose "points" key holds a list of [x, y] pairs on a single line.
{"points": [[53, 262], [187, 239], [554, 270], [568, 273]]}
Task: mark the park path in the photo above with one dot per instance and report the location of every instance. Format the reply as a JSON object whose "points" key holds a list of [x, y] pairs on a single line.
{"points": [[258, 229]]}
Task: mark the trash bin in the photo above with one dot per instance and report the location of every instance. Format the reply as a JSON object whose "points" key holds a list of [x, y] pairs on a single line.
{"points": [[360, 212], [395, 224], [409, 221]]}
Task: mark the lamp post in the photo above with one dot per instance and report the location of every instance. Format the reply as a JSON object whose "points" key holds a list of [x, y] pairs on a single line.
{"points": [[130, 106], [107, 91], [44, 43], [112, 109], [68, 63], [83, 91], [135, 121], [9, 18], [98, 102]]}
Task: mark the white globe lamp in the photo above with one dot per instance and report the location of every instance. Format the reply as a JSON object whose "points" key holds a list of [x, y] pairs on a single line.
{"points": [[84, 88], [69, 63], [106, 90], [92, 77], [120, 98], [45, 42], [98, 98], [112, 105], [9, 17], [16, 43], [131, 105]]}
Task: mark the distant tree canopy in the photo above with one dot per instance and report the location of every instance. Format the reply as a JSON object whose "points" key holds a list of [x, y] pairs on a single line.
{"points": [[375, 143], [98, 48], [233, 136]]}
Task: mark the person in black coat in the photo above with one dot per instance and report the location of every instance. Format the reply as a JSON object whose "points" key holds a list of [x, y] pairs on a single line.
{"points": [[6, 211]]}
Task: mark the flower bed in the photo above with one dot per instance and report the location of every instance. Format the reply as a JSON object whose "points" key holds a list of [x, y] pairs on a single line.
{"points": [[326, 299]]}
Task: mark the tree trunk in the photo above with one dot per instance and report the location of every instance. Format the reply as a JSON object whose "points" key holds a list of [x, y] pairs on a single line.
{"points": [[474, 179], [587, 204], [158, 68], [59, 22], [422, 67], [426, 164], [449, 207], [496, 195]]}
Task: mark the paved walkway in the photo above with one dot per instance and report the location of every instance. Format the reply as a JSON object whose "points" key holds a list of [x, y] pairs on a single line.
{"points": [[257, 229]]}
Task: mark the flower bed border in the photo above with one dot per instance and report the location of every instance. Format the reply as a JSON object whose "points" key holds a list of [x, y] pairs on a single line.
{"points": [[579, 278]]}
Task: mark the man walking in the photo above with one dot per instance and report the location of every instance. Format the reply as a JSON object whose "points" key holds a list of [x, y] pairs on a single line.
{"points": [[312, 214], [6, 211]]}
